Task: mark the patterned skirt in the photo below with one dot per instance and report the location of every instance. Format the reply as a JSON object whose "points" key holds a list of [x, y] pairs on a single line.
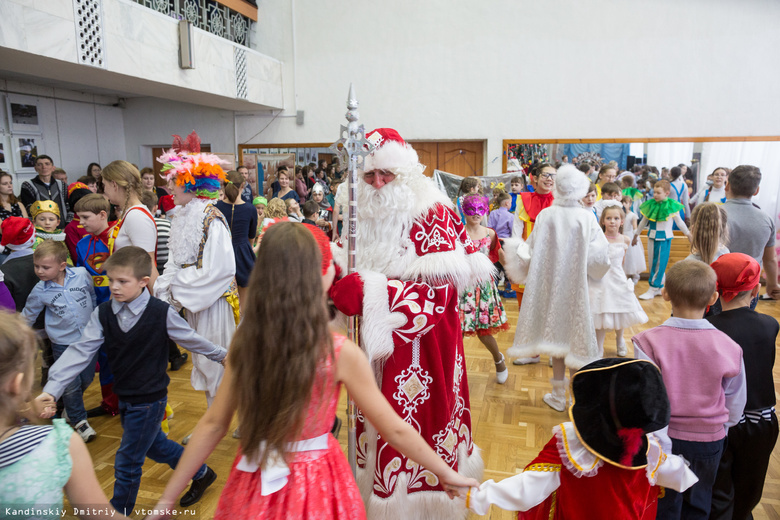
{"points": [[481, 310]]}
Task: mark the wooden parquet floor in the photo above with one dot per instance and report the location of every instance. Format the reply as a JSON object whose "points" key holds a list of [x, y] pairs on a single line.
{"points": [[510, 422]]}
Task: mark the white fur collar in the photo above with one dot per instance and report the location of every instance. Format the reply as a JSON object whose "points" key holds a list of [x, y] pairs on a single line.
{"points": [[187, 232], [385, 220]]}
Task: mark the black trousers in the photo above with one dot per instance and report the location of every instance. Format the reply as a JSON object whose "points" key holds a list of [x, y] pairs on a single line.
{"points": [[173, 351], [742, 470]]}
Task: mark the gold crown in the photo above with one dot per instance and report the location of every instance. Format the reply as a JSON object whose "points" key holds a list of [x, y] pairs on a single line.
{"points": [[44, 206]]}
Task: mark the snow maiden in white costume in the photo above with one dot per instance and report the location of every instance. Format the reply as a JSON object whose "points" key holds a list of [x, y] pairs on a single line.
{"points": [[199, 276], [564, 248], [413, 258]]}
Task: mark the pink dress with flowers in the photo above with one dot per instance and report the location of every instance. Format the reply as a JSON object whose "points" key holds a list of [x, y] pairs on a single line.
{"points": [[481, 310], [320, 484]]}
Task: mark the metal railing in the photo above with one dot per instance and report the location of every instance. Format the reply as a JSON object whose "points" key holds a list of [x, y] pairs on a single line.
{"points": [[208, 15]]}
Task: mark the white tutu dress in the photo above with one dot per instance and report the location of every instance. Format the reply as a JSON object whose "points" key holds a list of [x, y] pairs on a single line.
{"points": [[612, 301], [635, 256]]}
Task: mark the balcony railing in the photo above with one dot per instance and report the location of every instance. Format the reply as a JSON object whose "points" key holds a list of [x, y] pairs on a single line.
{"points": [[208, 15]]}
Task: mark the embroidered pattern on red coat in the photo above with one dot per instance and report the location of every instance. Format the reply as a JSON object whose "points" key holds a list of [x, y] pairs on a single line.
{"points": [[439, 231], [419, 303]]}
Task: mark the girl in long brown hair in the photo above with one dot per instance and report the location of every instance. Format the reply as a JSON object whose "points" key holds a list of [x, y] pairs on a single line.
{"points": [[284, 374]]}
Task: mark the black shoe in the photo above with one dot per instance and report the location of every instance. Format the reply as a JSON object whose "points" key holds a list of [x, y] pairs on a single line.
{"points": [[96, 412], [198, 487], [178, 362]]}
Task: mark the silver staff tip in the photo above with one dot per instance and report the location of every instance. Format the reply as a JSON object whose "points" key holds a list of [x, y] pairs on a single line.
{"points": [[352, 101]]}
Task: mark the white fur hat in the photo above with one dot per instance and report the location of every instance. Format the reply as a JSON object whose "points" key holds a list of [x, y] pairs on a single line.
{"points": [[391, 152], [570, 183]]}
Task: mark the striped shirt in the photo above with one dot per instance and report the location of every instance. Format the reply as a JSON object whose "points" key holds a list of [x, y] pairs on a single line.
{"points": [[21, 443], [163, 234]]}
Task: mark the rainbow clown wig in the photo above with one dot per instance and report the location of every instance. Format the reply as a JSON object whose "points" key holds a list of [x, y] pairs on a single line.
{"points": [[199, 173]]}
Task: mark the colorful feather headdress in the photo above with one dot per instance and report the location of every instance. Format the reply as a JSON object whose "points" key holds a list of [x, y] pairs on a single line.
{"points": [[200, 173]]}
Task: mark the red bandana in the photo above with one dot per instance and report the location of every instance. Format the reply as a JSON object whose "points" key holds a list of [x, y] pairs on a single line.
{"points": [[736, 272], [534, 203]]}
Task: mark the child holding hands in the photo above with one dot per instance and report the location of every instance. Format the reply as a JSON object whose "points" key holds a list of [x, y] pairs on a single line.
{"points": [[481, 310], [605, 463], [68, 297], [136, 328], [612, 301], [38, 463], [284, 377]]}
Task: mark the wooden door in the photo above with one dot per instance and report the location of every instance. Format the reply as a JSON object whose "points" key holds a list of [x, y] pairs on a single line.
{"points": [[325, 157], [159, 179], [427, 151], [464, 158]]}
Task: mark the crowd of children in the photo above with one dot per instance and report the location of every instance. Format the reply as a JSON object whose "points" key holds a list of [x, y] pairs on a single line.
{"points": [[123, 285], [700, 419]]}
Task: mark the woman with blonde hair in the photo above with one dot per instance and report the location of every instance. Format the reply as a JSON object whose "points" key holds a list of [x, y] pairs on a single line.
{"points": [[275, 211], [136, 226]]}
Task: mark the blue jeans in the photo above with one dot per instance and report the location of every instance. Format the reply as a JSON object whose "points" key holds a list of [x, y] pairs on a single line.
{"points": [[73, 397], [696, 501], [143, 437]]}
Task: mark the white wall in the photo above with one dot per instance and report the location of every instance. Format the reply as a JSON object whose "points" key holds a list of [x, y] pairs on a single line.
{"points": [[76, 128], [151, 122], [503, 69]]}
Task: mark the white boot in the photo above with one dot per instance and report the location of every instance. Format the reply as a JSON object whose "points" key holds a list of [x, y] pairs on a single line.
{"points": [[620, 343], [557, 398], [526, 360]]}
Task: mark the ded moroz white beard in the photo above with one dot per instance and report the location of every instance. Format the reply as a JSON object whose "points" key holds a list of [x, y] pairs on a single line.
{"points": [[385, 217]]}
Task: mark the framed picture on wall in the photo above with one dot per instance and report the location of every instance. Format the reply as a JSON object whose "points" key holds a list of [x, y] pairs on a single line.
{"points": [[23, 117], [3, 163], [25, 152]]}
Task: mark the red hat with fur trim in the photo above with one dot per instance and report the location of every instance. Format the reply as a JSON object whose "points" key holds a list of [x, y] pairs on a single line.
{"points": [[390, 152], [16, 231]]}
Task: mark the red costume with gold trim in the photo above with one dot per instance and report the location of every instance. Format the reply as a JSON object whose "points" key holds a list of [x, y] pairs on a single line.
{"points": [[606, 462]]}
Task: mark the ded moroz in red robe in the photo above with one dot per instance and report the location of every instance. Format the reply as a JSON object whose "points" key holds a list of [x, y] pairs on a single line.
{"points": [[413, 260]]}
